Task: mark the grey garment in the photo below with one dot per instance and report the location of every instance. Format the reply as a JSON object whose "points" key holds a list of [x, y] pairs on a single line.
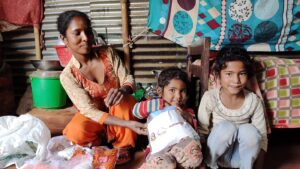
{"points": [[233, 147]]}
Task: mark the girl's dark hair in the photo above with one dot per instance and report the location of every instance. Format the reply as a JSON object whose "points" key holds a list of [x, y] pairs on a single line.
{"points": [[233, 53], [65, 18], [168, 74]]}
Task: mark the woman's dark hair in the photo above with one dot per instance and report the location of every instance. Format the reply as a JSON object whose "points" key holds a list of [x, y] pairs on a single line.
{"points": [[65, 18], [168, 74], [233, 53]]}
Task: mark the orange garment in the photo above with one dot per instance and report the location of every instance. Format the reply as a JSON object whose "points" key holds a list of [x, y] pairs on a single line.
{"points": [[83, 130], [87, 96]]}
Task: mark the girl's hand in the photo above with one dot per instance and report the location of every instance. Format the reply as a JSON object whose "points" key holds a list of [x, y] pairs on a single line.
{"points": [[113, 97], [186, 115], [138, 127]]}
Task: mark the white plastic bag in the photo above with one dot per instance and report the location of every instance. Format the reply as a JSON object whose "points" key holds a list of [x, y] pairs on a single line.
{"points": [[57, 144], [22, 138], [167, 127]]}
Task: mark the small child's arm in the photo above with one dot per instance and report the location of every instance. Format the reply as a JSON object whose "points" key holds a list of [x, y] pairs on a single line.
{"points": [[189, 115], [142, 109]]}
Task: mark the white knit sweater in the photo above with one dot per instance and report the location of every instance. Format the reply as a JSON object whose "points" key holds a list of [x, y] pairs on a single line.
{"points": [[212, 111]]}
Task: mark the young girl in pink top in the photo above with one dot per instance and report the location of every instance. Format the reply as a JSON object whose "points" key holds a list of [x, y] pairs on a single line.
{"points": [[173, 91]]}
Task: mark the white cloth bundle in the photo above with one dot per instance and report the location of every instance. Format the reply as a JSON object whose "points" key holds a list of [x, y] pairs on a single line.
{"points": [[22, 138], [167, 127]]}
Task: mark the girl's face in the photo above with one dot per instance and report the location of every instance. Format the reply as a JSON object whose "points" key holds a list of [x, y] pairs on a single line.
{"points": [[79, 37], [175, 93], [234, 77]]}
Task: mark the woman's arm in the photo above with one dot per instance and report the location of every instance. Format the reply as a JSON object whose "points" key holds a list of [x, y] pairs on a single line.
{"points": [[137, 127], [114, 95], [83, 102], [127, 84]]}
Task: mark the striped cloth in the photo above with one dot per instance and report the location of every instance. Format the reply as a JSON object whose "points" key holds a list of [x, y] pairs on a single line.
{"points": [[142, 109]]}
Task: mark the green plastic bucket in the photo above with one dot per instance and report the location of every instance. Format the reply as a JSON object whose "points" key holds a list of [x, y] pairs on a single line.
{"points": [[47, 91]]}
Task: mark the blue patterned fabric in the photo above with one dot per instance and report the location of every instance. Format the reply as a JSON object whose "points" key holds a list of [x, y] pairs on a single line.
{"points": [[260, 25]]}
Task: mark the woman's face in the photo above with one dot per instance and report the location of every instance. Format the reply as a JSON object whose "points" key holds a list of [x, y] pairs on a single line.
{"points": [[79, 37]]}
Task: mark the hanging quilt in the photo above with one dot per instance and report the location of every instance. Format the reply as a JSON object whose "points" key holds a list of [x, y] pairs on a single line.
{"points": [[259, 25], [22, 13]]}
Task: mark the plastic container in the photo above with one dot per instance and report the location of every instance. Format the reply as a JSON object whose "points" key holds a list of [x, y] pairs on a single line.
{"points": [[64, 54], [139, 93], [47, 91]]}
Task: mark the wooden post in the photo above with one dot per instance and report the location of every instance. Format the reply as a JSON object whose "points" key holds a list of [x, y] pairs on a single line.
{"points": [[36, 30], [205, 66], [200, 70], [125, 34]]}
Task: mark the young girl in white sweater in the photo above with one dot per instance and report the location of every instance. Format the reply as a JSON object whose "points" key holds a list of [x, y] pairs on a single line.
{"points": [[231, 117]]}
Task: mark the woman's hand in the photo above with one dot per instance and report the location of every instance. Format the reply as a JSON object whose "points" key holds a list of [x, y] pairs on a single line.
{"points": [[138, 127], [113, 97], [186, 115]]}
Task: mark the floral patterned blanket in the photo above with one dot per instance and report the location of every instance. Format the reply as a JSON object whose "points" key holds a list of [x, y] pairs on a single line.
{"points": [[259, 25]]}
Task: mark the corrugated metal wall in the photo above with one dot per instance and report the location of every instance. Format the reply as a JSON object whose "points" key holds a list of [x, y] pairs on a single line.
{"points": [[18, 49], [150, 52]]}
